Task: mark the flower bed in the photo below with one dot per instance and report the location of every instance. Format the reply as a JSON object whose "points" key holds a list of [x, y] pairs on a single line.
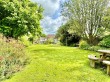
{"points": [[12, 57]]}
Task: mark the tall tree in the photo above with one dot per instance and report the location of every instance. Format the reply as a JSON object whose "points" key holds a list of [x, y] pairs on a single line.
{"points": [[86, 17], [19, 17]]}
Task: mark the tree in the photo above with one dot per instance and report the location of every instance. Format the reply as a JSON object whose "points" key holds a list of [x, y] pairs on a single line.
{"points": [[20, 17], [65, 37], [86, 17], [106, 19]]}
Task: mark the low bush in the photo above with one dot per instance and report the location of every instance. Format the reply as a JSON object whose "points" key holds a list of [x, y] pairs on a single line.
{"points": [[84, 45], [12, 57], [95, 48], [49, 41], [25, 41], [105, 42]]}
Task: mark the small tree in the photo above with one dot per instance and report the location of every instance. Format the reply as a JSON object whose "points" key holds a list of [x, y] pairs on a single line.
{"points": [[67, 38]]}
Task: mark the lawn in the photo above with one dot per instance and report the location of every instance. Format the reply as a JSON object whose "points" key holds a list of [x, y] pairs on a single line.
{"points": [[50, 63]]}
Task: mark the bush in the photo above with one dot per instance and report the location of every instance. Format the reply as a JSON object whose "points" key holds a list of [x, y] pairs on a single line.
{"points": [[24, 40], [12, 57], [95, 48], [72, 45], [49, 41], [84, 45], [105, 42]]}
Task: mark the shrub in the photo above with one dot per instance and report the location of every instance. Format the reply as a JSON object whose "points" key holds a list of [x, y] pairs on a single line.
{"points": [[95, 48], [83, 45], [24, 40], [49, 41], [12, 57], [72, 45], [105, 42]]}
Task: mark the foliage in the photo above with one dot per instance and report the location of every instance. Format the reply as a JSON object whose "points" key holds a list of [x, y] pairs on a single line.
{"points": [[105, 42], [12, 57], [67, 38], [106, 19], [84, 45], [49, 41], [52, 63], [86, 17], [96, 48], [43, 35], [24, 40], [31, 39], [19, 17]]}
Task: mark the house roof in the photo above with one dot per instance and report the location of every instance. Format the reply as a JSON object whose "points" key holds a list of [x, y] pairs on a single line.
{"points": [[50, 36]]}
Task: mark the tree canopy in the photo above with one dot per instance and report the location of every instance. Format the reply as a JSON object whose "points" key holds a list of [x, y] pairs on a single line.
{"points": [[106, 19], [86, 17], [67, 38], [20, 17]]}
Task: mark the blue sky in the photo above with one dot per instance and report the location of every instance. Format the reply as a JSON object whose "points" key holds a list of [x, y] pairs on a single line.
{"points": [[52, 17]]}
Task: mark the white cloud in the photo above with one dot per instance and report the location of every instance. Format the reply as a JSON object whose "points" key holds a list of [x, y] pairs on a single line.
{"points": [[50, 6], [49, 24]]}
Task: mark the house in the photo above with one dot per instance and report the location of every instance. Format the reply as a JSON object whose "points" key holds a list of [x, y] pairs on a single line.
{"points": [[50, 38], [43, 40]]}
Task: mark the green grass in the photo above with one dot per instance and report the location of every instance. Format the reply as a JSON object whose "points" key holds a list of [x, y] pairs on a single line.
{"points": [[59, 64]]}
